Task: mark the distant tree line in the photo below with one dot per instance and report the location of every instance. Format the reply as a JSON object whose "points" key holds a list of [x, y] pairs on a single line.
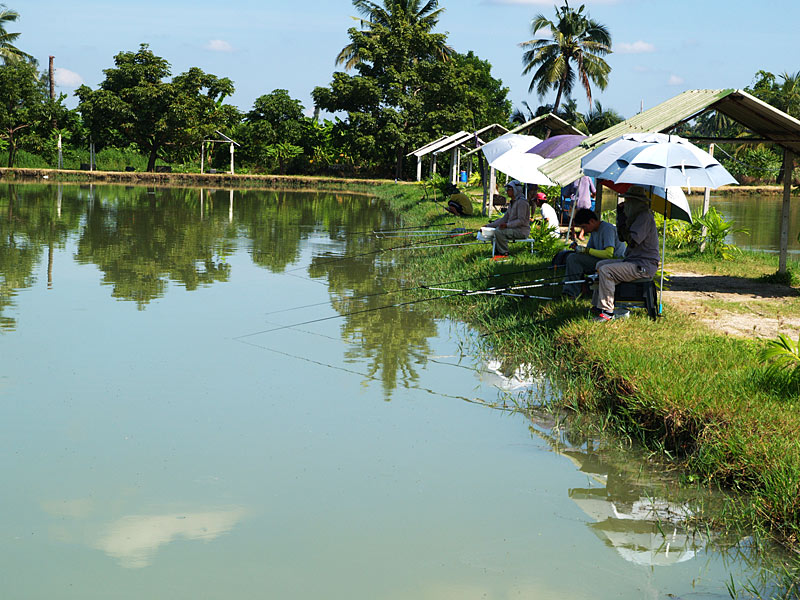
{"points": [[402, 86]]}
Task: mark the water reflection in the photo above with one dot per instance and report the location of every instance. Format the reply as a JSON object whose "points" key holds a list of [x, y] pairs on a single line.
{"points": [[630, 512], [134, 540]]}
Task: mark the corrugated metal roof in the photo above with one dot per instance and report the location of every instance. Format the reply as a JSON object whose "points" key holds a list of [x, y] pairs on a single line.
{"points": [[762, 118], [567, 167], [428, 148]]}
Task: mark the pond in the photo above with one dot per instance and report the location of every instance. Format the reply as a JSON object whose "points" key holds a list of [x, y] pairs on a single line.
{"points": [[759, 215], [164, 435]]}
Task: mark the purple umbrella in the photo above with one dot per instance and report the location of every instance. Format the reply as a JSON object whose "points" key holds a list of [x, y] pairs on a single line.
{"points": [[556, 145]]}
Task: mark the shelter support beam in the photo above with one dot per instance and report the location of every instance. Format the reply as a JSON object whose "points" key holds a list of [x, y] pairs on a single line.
{"points": [[419, 168], [706, 206], [788, 167]]}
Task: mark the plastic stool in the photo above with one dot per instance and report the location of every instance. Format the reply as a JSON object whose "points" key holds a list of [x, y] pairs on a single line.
{"points": [[638, 291]]}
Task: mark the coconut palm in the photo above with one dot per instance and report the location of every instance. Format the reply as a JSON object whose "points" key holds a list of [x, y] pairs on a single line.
{"points": [[599, 118], [397, 17], [573, 52], [8, 52]]}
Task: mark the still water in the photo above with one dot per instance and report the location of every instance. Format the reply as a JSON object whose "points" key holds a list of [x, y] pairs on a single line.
{"points": [[158, 441]]}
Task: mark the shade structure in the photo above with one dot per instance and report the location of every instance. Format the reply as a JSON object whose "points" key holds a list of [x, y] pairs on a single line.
{"points": [[556, 145], [667, 164], [509, 154], [670, 202]]}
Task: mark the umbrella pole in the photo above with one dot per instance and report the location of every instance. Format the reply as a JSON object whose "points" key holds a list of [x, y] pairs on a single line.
{"points": [[663, 251]]}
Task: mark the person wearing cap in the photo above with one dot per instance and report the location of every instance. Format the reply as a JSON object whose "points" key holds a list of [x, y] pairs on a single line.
{"points": [[515, 224], [548, 212], [603, 244], [458, 203], [641, 259]]}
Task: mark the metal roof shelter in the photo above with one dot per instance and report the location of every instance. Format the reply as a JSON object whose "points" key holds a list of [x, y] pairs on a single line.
{"points": [[455, 149], [445, 143], [767, 123]]}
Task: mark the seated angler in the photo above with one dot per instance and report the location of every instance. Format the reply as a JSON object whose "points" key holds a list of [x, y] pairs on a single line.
{"points": [[515, 224], [603, 244], [641, 259]]}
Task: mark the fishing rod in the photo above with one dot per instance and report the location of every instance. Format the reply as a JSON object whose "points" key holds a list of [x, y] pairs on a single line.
{"points": [[537, 283], [408, 289], [381, 250], [498, 291], [407, 228], [442, 246], [350, 313]]}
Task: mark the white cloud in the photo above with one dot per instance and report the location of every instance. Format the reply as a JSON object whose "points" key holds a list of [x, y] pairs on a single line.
{"points": [[675, 80], [219, 46], [67, 78], [638, 47]]}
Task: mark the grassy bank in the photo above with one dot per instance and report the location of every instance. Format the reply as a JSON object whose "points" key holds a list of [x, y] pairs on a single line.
{"points": [[692, 395]]}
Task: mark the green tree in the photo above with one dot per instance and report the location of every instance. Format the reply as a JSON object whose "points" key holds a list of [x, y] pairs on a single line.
{"points": [[392, 54], [24, 104], [599, 118], [574, 51], [8, 52], [409, 19], [134, 104], [405, 93]]}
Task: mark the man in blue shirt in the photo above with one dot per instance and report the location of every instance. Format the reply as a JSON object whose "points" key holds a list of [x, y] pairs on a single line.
{"points": [[603, 244]]}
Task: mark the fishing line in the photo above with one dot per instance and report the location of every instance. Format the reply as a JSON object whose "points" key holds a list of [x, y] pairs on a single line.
{"points": [[347, 314], [477, 401], [381, 250], [415, 227], [404, 289]]}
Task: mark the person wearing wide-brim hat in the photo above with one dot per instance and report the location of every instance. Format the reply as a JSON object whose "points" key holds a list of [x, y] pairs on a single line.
{"points": [[515, 224], [641, 259]]}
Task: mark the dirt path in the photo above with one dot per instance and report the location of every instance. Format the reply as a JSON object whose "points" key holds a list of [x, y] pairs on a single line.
{"points": [[736, 306]]}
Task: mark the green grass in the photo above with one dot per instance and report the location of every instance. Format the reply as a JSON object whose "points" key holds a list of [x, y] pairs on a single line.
{"points": [[701, 399]]}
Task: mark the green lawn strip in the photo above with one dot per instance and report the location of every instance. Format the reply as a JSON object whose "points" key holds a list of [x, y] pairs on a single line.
{"points": [[696, 396]]}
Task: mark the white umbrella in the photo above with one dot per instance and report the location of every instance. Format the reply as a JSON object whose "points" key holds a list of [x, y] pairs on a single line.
{"points": [[599, 159], [667, 164], [509, 154]]}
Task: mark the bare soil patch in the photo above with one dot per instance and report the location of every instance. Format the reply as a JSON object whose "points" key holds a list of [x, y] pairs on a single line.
{"points": [[736, 305]]}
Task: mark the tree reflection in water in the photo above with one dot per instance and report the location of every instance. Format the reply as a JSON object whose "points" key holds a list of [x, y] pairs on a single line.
{"points": [[142, 239]]}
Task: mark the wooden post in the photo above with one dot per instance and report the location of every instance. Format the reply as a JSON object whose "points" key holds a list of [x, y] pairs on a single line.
{"points": [[202, 156], [598, 200], [231, 160], [788, 167], [453, 167], [419, 168], [706, 206], [433, 164]]}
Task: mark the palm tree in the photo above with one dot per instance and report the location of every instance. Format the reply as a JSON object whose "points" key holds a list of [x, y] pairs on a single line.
{"points": [[599, 118], [395, 17], [8, 52], [575, 39]]}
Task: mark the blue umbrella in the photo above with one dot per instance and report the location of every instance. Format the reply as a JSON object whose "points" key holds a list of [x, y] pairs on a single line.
{"points": [[556, 145]]}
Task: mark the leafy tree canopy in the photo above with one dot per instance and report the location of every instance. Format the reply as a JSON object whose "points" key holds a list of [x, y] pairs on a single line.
{"points": [[134, 104], [410, 86]]}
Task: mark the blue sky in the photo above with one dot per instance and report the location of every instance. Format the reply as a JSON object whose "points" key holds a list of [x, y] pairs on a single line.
{"points": [[662, 47]]}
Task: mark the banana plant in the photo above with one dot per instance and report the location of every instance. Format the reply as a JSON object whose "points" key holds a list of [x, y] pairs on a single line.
{"points": [[782, 355]]}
